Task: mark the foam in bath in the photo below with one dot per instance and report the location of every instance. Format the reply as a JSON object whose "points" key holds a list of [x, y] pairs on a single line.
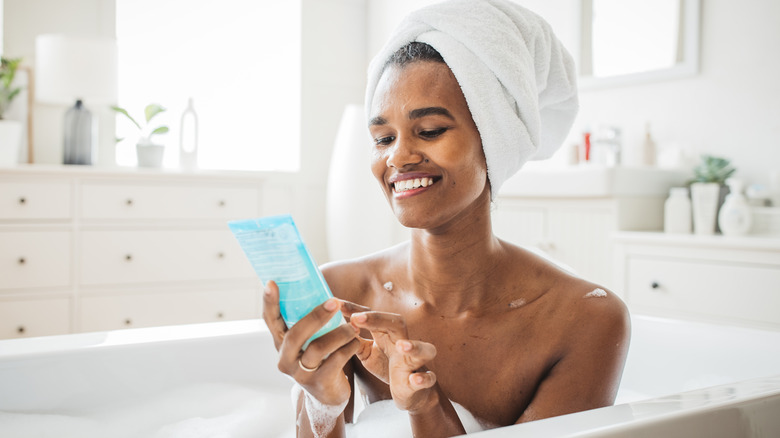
{"points": [[276, 252]]}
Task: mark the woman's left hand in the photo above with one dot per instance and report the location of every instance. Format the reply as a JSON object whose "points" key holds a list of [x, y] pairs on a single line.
{"points": [[411, 384]]}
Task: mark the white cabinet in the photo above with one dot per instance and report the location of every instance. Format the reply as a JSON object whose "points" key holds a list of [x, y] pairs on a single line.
{"points": [[111, 312], [35, 259], [85, 249], [160, 255], [30, 199], [34, 316], [575, 231], [712, 278]]}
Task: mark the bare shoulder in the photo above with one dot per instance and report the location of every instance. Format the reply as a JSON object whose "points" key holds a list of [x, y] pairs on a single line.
{"points": [[584, 309], [355, 279]]}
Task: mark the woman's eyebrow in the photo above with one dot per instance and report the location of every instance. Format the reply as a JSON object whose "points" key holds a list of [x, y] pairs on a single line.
{"points": [[378, 120], [430, 111]]}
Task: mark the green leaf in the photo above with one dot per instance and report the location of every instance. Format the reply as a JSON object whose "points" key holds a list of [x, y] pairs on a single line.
{"points": [[152, 110], [124, 111], [160, 130]]}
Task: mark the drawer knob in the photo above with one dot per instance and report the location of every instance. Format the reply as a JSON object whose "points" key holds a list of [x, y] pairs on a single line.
{"points": [[221, 203], [129, 202], [128, 257], [220, 315], [220, 255], [655, 285], [22, 200], [128, 322], [21, 330], [22, 260]]}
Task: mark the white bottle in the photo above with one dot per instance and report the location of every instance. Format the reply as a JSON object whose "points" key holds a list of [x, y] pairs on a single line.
{"points": [[648, 148], [188, 138], [735, 216], [677, 211]]}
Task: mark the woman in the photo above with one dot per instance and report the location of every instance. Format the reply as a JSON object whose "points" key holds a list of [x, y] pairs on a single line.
{"points": [[456, 317]]}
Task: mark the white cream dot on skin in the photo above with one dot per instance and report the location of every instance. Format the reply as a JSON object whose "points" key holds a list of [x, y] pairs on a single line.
{"points": [[520, 302], [388, 286], [596, 293]]}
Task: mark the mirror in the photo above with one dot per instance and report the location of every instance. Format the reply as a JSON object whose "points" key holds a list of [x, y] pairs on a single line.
{"points": [[626, 42]]}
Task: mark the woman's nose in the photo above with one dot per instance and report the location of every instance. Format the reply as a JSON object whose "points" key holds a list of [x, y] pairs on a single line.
{"points": [[403, 153]]}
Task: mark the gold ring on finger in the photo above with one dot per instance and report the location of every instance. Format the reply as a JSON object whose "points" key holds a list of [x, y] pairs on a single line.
{"points": [[307, 369]]}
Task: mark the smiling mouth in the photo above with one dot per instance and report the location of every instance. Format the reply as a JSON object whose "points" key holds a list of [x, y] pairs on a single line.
{"points": [[411, 184]]}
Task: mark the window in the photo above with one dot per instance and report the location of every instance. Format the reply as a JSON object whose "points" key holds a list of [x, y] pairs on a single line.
{"points": [[240, 62]]}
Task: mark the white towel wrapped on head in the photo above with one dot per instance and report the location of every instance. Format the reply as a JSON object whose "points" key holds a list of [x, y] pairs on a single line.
{"points": [[518, 80]]}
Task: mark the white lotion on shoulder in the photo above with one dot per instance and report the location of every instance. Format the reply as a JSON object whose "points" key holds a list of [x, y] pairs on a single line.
{"points": [[596, 293]]}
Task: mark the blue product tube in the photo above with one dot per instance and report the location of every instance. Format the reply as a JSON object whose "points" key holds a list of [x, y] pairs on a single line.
{"points": [[276, 252]]}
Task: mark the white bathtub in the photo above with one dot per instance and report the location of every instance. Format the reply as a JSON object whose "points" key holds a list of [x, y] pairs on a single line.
{"points": [[220, 379]]}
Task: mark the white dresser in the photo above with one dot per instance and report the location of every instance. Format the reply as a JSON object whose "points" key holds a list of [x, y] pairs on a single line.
{"points": [[733, 280], [84, 249], [570, 214]]}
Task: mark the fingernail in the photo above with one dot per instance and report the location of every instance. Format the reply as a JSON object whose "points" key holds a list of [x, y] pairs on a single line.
{"points": [[331, 305], [359, 317], [267, 290], [405, 345]]}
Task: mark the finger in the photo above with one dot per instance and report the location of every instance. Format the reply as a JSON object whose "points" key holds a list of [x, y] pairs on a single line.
{"points": [[325, 345], [348, 308], [391, 324], [422, 380], [415, 354], [339, 358], [305, 328], [271, 313]]}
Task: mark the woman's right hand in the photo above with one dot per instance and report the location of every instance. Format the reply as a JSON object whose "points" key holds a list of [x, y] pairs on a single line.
{"points": [[318, 369]]}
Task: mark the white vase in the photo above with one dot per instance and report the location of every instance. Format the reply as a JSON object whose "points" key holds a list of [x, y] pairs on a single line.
{"points": [[149, 154], [704, 202], [359, 219], [10, 142]]}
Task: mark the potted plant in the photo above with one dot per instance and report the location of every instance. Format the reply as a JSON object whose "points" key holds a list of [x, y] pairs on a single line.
{"points": [[707, 191], [10, 130], [149, 154]]}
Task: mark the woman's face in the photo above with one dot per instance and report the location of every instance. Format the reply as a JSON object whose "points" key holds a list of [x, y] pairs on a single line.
{"points": [[427, 152]]}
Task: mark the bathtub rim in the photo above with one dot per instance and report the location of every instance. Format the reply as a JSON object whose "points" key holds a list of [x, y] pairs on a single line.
{"points": [[620, 420]]}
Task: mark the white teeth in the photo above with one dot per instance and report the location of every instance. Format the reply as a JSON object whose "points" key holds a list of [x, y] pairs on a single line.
{"points": [[409, 184]]}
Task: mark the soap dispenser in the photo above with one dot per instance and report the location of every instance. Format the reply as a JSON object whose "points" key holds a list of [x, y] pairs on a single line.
{"points": [[735, 217]]}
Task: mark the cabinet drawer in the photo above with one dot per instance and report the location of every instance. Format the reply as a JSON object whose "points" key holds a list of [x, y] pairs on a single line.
{"points": [[167, 201], [35, 200], [117, 257], [725, 291], [125, 311], [34, 317], [34, 259]]}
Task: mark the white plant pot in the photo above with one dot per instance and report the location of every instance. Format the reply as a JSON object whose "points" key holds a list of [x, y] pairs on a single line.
{"points": [[10, 142], [704, 203], [149, 154]]}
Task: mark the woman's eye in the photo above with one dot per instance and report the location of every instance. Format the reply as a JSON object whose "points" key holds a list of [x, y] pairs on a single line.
{"points": [[432, 133], [384, 141]]}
